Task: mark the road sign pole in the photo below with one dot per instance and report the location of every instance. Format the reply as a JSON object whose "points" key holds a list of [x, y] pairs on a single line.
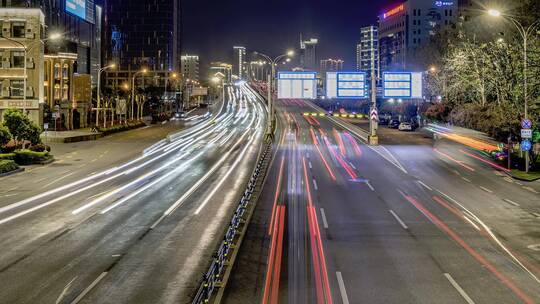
{"points": [[373, 123]]}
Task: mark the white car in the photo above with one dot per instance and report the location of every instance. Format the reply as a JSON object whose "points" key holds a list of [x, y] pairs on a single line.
{"points": [[405, 126]]}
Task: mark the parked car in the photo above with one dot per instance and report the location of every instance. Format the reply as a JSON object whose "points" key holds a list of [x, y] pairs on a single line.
{"points": [[405, 126], [394, 124], [383, 121]]}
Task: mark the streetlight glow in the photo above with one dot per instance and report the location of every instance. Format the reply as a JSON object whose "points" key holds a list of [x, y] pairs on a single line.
{"points": [[494, 13], [290, 53], [55, 36]]}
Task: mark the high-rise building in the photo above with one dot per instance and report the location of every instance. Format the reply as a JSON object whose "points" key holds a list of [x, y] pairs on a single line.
{"points": [[239, 62], [367, 51], [144, 33], [190, 67], [331, 65], [407, 26], [222, 69], [308, 54]]}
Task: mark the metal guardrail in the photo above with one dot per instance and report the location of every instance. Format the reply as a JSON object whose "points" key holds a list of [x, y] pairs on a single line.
{"points": [[214, 276]]}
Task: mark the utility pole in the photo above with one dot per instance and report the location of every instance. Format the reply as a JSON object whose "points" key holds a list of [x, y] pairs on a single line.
{"points": [[373, 123]]}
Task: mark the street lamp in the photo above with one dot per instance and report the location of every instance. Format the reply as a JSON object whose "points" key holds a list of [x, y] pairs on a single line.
{"points": [[143, 71], [525, 32], [273, 63], [52, 37], [217, 80], [110, 66]]}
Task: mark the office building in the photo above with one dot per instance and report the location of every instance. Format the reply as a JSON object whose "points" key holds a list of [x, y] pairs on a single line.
{"points": [[189, 67], [331, 65], [221, 69], [409, 25], [239, 62], [367, 51], [308, 54], [22, 29], [143, 33]]}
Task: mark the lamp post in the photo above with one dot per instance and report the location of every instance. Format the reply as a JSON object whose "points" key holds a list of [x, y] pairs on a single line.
{"points": [[52, 37], [110, 66], [216, 80], [271, 85], [143, 71], [525, 32]]}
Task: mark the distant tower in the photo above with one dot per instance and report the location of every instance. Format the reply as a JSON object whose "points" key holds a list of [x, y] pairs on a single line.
{"points": [[239, 67], [308, 54]]}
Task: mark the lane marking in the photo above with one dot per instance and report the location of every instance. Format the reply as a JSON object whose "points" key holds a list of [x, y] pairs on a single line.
{"points": [[458, 288], [370, 186], [399, 220], [350, 163], [325, 222], [426, 186], [466, 179], [315, 186], [87, 290], [511, 202], [64, 291], [310, 165], [531, 190], [342, 290], [486, 189], [535, 214]]}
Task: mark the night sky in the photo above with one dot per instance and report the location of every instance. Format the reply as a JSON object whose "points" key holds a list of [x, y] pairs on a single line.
{"points": [[211, 28]]}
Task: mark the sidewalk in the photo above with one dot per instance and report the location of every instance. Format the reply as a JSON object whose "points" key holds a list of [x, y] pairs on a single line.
{"points": [[49, 137]]}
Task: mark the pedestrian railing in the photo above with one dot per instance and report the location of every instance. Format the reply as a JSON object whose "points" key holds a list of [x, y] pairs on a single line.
{"points": [[214, 277]]}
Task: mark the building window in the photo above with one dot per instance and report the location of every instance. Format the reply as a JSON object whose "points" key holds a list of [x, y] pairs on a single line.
{"points": [[17, 88], [57, 71], [56, 91], [65, 71], [450, 13], [419, 12], [414, 40], [18, 29], [17, 60], [65, 92], [414, 12]]}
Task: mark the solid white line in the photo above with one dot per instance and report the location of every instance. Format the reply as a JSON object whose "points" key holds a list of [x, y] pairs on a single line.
{"points": [[352, 166], [511, 202], [342, 289], [459, 289], [58, 179], [486, 189], [370, 186], [68, 285], [399, 220], [471, 222], [426, 186], [325, 222], [87, 290], [315, 186]]}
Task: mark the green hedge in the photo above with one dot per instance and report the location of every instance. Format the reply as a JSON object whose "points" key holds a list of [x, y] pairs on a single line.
{"points": [[7, 156], [27, 157], [121, 128], [7, 166]]}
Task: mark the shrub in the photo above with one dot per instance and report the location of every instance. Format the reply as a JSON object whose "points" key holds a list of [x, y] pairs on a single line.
{"points": [[7, 156], [121, 128], [7, 166], [21, 127], [39, 148], [5, 135], [28, 157]]}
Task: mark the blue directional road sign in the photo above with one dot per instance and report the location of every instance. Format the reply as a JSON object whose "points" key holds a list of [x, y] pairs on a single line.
{"points": [[526, 145], [403, 85], [297, 85], [345, 85]]}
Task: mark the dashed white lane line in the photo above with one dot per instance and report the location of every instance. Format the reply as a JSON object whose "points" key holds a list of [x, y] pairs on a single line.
{"points": [[425, 186], [466, 179], [315, 186], [89, 288], [399, 220], [342, 290], [486, 189], [323, 216], [370, 186], [310, 165], [459, 289], [511, 202], [531, 190], [352, 166], [535, 214]]}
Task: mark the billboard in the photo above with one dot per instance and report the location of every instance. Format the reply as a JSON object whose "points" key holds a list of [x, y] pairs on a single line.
{"points": [[344, 85], [83, 9], [404, 85], [302, 85]]}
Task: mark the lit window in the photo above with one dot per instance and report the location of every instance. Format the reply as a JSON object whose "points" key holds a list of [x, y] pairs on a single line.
{"points": [[18, 29]]}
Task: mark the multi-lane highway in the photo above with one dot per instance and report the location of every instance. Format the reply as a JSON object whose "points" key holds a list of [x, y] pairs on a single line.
{"points": [[138, 232], [418, 222]]}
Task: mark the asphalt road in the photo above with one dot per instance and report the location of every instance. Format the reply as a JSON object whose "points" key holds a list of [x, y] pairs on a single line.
{"points": [[414, 220], [142, 231]]}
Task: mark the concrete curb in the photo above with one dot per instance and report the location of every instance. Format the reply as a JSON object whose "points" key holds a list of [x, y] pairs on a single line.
{"points": [[12, 172]]}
